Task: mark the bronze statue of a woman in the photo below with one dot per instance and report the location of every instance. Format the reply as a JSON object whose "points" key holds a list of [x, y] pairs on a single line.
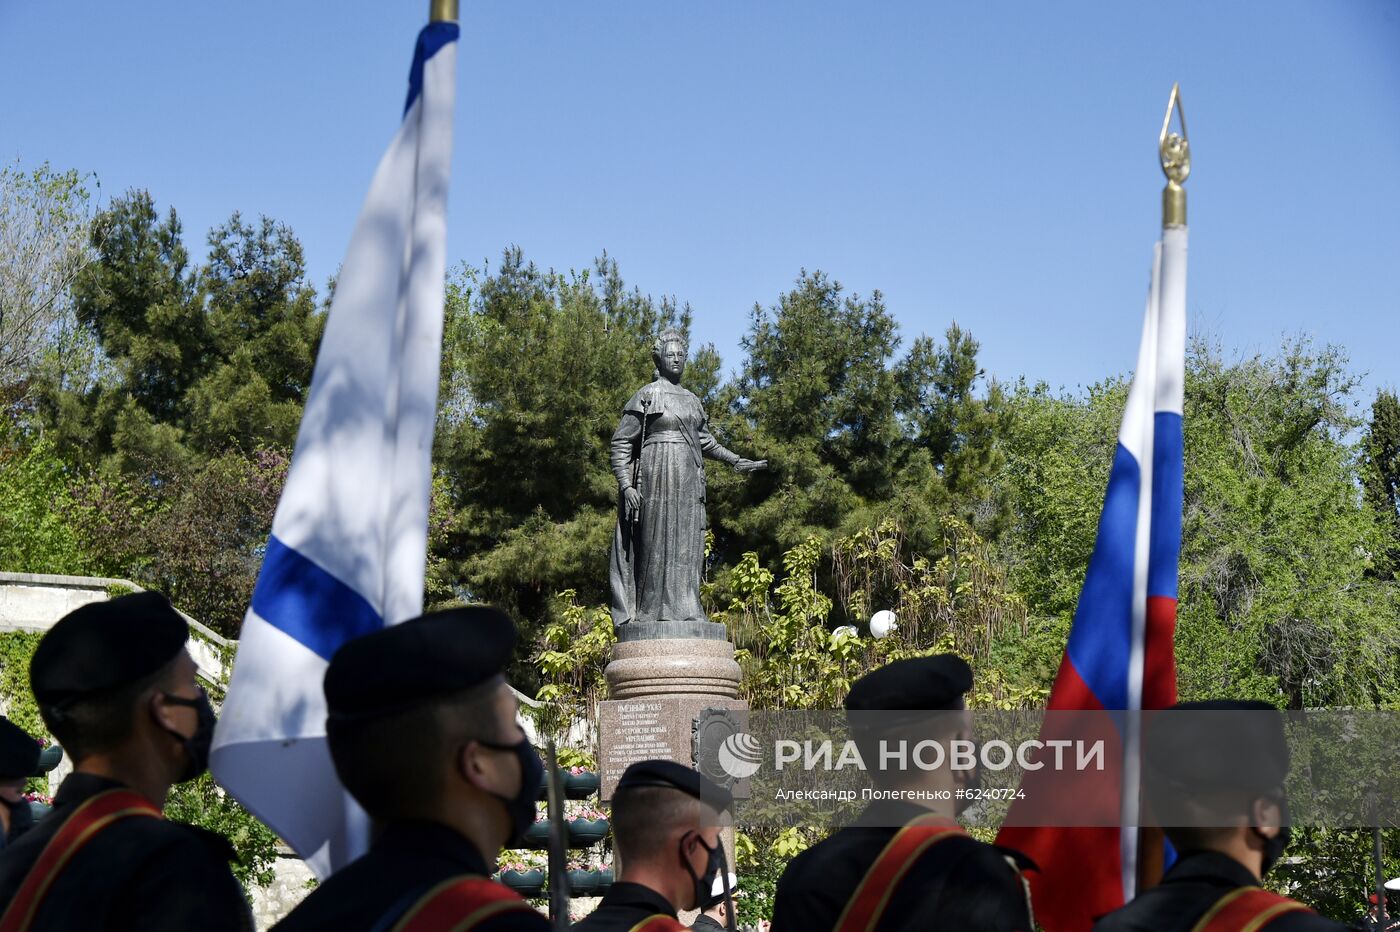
{"points": [[658, 453]]}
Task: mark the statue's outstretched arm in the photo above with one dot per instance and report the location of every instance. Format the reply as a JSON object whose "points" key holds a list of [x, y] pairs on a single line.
{"points": [[712, 448]]}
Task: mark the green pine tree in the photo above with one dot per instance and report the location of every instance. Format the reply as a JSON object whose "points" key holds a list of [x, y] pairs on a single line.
{"points": [[1380, 479], [196, 362]]}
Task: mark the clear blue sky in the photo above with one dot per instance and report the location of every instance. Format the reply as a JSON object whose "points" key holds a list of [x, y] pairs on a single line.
{"points": [[992, 162]]}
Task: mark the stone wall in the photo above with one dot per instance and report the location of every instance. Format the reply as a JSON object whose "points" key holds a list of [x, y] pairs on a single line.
{"points": [[34, 602], [288, 888]]}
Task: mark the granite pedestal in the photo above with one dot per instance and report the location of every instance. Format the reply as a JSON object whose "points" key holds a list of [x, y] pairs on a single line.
{"points": [[662, 679]]}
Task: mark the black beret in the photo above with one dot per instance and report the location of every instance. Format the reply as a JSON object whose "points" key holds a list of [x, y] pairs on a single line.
{"points": [[425, 658], [674, 776], [917, 683], [104, 645], [1216, 745], [19, 753]]}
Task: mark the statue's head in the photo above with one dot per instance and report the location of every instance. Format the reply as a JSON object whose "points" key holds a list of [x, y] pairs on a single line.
{"points": [[669, 352]]}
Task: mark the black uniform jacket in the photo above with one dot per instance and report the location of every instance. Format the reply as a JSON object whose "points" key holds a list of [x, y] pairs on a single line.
{"points": [[139, 873], [624, 905], [21, 820], [958, 883], [1190, 888], [406, 861], [706, 924]]}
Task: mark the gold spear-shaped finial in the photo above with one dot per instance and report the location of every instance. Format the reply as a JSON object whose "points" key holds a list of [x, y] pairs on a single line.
{"points": [[442, 11], [1175, 152]]}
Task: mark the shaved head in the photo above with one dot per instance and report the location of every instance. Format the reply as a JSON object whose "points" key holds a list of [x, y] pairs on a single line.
{"points": [[646, 820]]}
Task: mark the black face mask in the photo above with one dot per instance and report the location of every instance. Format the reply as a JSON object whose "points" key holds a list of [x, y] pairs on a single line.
{"points": [[974, 780], [1274, 847], [196, 745], [714, 867], [520, 808]]}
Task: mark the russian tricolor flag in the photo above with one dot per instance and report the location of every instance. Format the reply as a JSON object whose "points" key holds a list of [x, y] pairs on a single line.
{"points": [[1120, 654], [349, 540]]}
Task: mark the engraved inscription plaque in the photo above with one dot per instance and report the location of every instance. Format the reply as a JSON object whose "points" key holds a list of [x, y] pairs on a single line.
{"points": [[630, 730]]}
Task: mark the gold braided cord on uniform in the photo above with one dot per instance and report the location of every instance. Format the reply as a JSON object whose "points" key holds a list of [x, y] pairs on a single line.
{"points": [[472, 919], [1257, 922], [917, 825], [35, 887], [486, 912]]}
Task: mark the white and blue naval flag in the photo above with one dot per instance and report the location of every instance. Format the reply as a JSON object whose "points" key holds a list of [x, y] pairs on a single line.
{"points": [[348, 548]]}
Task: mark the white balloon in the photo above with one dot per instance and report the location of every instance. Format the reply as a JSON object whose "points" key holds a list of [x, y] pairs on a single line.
{"points": [[882, 623], [846, 629]]}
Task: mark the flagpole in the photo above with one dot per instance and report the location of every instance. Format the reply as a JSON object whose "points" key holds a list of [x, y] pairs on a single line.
{"points": [[442, 11], [1174, 152]]}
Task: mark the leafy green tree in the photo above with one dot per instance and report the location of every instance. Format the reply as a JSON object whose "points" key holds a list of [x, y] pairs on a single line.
{"points": [[575, 650], [16, 651], [37, 531], [1275, 599], [1058, 450], [204, 803], [957, 601], [1333, 870], [1380, 478], [1274, 603], [198, 537]]}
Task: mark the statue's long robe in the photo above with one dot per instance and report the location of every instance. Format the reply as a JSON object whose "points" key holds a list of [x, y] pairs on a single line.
{"points": [[657, 561]]}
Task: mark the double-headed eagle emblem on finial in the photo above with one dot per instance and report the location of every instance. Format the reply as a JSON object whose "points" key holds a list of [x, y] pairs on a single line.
{"points": [[1175, 152], [1173, 147]]}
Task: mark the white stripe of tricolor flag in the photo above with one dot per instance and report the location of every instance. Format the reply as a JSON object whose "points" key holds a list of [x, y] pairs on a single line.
{"points": [[349, 541], [1158, 385]]}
